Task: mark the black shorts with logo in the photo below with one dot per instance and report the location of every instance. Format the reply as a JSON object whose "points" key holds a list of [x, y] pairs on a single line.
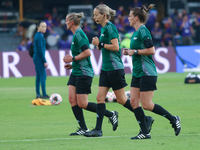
{"points": [[82, 83], [145, 83], [114, 79]]}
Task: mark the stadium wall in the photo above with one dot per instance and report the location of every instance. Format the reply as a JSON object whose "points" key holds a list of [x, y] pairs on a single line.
{"points": [[20, 64]]}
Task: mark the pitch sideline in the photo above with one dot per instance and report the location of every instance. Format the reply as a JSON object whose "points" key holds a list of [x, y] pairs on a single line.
{"points": [[78, 138]]}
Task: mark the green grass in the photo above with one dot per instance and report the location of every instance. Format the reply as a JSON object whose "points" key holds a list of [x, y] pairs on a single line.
{"points": [[48, 127]]}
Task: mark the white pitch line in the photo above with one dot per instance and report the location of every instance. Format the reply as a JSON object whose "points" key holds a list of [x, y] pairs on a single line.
{"points": [[78, 138]]}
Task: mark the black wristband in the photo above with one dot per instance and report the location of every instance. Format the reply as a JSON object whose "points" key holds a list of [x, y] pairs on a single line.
{"points": [[101, 45], [73, 59]]}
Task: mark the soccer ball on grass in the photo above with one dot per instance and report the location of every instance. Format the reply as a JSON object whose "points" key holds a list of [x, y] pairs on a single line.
{"points": [[55, 99]]}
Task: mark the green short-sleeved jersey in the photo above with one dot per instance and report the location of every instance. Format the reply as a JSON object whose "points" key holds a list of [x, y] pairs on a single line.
{"points": [[142, 65], [111, 59], [84, 66]]}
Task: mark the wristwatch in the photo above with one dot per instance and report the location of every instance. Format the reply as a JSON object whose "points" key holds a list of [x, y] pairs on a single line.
{"points": [[135, 52], [73, 59]]}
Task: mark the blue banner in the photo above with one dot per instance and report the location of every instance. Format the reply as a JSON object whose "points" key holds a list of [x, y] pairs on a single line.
{"points": [[190, 56]]}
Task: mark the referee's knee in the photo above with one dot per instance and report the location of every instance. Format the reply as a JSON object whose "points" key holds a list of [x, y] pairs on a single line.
{"points": [[147, 106], [100, 99], [72, 101], [121, 101]]}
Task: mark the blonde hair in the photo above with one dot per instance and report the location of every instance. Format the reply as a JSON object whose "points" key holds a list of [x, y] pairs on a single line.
{"points": [[107, 10], [142, 12], [76, 17]]}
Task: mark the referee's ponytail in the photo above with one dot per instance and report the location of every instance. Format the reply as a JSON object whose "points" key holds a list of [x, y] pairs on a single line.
{"points": [[76, 17], [142, 12]]}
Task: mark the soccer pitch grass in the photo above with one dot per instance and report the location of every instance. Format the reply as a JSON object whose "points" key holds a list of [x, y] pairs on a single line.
{"points": [[48, 127]]}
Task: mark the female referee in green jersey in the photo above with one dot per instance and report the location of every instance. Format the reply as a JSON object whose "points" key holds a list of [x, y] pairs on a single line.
{"points": [[112, 72], [144, 76], [82, 74]]}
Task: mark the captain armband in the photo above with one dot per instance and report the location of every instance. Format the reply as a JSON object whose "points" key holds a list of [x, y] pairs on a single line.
{"points": [[148, 43]]}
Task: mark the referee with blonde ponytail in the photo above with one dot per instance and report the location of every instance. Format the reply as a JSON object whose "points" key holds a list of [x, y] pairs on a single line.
{"points": [[144, 76], [112, 73], [80, 80]]}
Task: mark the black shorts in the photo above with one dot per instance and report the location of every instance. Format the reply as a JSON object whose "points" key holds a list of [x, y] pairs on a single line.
{"points": [[82, 83], [145, 83], [114, 79]]}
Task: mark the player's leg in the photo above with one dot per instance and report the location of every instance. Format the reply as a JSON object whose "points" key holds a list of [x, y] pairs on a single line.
{"points": [[43, 77], [139, 114], [147, 91], [121, 99], [37, 83], [77, 111], [147, 104], [145, 122], [97, 131], [83, 88]]}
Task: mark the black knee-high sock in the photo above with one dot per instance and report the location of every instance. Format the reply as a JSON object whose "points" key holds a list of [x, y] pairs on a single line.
{"points": [[100, 114], [78, 113], [139, 114], [93, 108], [128, 105], [161, 111]]}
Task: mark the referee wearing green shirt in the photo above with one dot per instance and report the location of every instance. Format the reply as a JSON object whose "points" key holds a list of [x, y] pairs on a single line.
{"points": [[112, 72], [144, 76], [82, 74]]}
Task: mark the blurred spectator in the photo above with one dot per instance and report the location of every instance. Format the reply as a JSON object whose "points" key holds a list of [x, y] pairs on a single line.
{"points": [[98, 29], [120, 13], [174, 15], [156, 32], [125, 43], [134, 4], [86, 28], [197, 27], [166, 41], [184, 12], [88, 31], [152, 19], [26, 29], [64, 43], [54, 13], [56, 22], [119, 26], [49, 22], [186, 31], [167, 37], [179, 19], [127, 26], [178, 39], [22, 46]]}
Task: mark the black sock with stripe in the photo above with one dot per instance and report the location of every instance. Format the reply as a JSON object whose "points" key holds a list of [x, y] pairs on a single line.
{"points": [[100, 114], [93, 108], [78, 113], [161, 111], [128, 105], [140, 116]]}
